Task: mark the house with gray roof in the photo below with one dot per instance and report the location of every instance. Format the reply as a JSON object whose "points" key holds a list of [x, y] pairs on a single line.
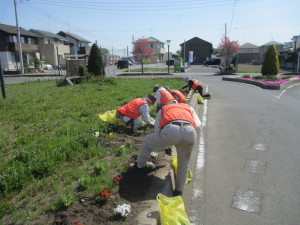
{"points": [[53, 48], [158, 50], [263, 49], [9, 47], [248, 53], [79, 46]]}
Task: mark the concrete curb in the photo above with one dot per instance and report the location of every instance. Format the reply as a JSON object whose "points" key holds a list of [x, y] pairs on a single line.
{"points": [[150, 216], [263, 85]]}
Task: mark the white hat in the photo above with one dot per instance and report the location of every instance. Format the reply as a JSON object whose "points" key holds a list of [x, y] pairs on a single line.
{"points": [[186, 79]]}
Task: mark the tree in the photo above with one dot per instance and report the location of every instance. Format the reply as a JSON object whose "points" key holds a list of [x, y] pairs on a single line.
{"points": [[36, 62], [271, 62], [95, 62], [227, 48], [142, 51], [104, 51]]}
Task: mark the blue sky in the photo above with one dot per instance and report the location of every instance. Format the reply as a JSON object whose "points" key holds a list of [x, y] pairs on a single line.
{"points": [[114, 23]]}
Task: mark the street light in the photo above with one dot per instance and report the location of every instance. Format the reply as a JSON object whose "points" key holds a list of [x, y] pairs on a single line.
{"points": [[168, 43]]}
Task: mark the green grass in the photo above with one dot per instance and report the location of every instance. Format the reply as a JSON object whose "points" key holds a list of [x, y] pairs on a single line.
{"points": [[50, 156]]}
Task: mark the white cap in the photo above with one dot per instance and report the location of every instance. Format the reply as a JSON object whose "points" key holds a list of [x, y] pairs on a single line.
{"points": [[186, 79]]}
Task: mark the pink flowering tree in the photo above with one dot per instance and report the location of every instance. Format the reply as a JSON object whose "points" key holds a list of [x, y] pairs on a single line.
{"points": [[142, 51], [227, 49]]}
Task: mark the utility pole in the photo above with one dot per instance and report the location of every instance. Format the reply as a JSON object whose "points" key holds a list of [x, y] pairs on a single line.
{"points": [[19, 40], [295, 53], [57, 59], [184, 52], [225, 47]]}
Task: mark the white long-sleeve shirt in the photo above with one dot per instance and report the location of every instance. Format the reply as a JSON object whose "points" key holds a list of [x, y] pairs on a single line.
{"points": [[144, 110], [158, 96]]}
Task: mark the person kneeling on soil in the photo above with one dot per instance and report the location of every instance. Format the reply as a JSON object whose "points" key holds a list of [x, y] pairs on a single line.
{"points": [[132, 112], [175, 124], [179, 95], [194, 85], [163, 96]]}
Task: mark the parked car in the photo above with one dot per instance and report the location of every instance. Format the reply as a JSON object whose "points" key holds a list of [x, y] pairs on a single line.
{"points": [[212, 62], [132, 60], [170, 62], [46, 66], [122, 64]]}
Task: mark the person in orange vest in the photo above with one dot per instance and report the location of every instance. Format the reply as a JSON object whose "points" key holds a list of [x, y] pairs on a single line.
{"points": [[132, 112], [196, 86], [179, 95], [163, 96], [175, 124]]}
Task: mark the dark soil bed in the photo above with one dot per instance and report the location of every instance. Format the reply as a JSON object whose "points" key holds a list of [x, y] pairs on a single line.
{"points": [[133, 190]]}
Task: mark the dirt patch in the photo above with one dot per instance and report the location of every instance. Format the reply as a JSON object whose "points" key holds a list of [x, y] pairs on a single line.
{"points": [[249, 68], [134, 189]]}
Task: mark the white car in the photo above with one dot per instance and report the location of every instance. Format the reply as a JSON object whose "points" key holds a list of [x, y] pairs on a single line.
{"points": [[46, 66]]}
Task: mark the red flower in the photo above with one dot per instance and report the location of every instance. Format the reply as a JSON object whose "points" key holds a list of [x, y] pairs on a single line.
{"points": [[78, 223], [117, 179], [105, 193], [127, 167]]}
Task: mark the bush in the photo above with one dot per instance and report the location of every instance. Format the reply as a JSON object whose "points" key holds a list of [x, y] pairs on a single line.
{"points": [[95, 63], [246, 76], [271, 63]]}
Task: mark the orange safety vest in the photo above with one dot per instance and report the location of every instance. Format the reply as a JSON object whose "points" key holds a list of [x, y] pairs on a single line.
{"points": [[195, 85], [180, 111], [166, 96], [180, 97], [131, 109]]}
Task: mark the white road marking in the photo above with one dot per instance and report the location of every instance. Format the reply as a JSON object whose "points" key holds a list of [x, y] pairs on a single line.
{"points": [[198, 189], [279, 96]]}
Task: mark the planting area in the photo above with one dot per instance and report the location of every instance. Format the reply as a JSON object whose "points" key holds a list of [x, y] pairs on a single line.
{"points": [[54, 169]]}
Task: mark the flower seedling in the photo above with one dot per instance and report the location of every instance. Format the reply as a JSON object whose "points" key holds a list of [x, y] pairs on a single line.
{"points": [[117, 179], [105, 193], [124, 210], [78, 223]]}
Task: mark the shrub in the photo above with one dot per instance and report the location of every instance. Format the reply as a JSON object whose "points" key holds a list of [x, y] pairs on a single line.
{"points": [[246, 76], [271, 63], [95, 63]]}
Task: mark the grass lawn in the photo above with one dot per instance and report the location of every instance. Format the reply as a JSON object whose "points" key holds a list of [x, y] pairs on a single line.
{"points": [[50, 155]]}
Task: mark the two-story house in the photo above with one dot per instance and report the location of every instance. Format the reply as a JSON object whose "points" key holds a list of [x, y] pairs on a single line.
{"points": [[263, 49], [201, 50], [158, 49], [111, 59], [248, 53], [9, 47], [53, 48], [79, 47]]}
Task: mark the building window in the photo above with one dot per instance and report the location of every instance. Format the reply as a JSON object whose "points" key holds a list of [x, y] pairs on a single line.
{"points": [[13, 39], [151, 45]]}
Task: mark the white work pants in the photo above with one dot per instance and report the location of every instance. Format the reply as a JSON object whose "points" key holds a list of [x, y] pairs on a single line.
{"points": [[183, 137]]}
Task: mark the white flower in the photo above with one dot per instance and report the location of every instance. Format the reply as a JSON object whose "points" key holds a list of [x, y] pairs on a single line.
{"points": [[154, 154], [124, 210], [150, 164], [97, 134]]}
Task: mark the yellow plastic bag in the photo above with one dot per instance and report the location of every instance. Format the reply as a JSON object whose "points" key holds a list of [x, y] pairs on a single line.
{"points": [[172, 210], [110, 117], [175, 165], [200, 99]]}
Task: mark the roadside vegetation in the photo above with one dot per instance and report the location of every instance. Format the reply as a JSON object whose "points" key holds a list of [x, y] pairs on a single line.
{"points": [[54, 147]]}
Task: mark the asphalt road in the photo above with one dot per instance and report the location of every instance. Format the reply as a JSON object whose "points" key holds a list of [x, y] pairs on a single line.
{"points": [[247, 158]]}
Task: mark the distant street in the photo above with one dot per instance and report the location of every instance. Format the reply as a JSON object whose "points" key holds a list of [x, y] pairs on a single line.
{"points": [[248, 163]]}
